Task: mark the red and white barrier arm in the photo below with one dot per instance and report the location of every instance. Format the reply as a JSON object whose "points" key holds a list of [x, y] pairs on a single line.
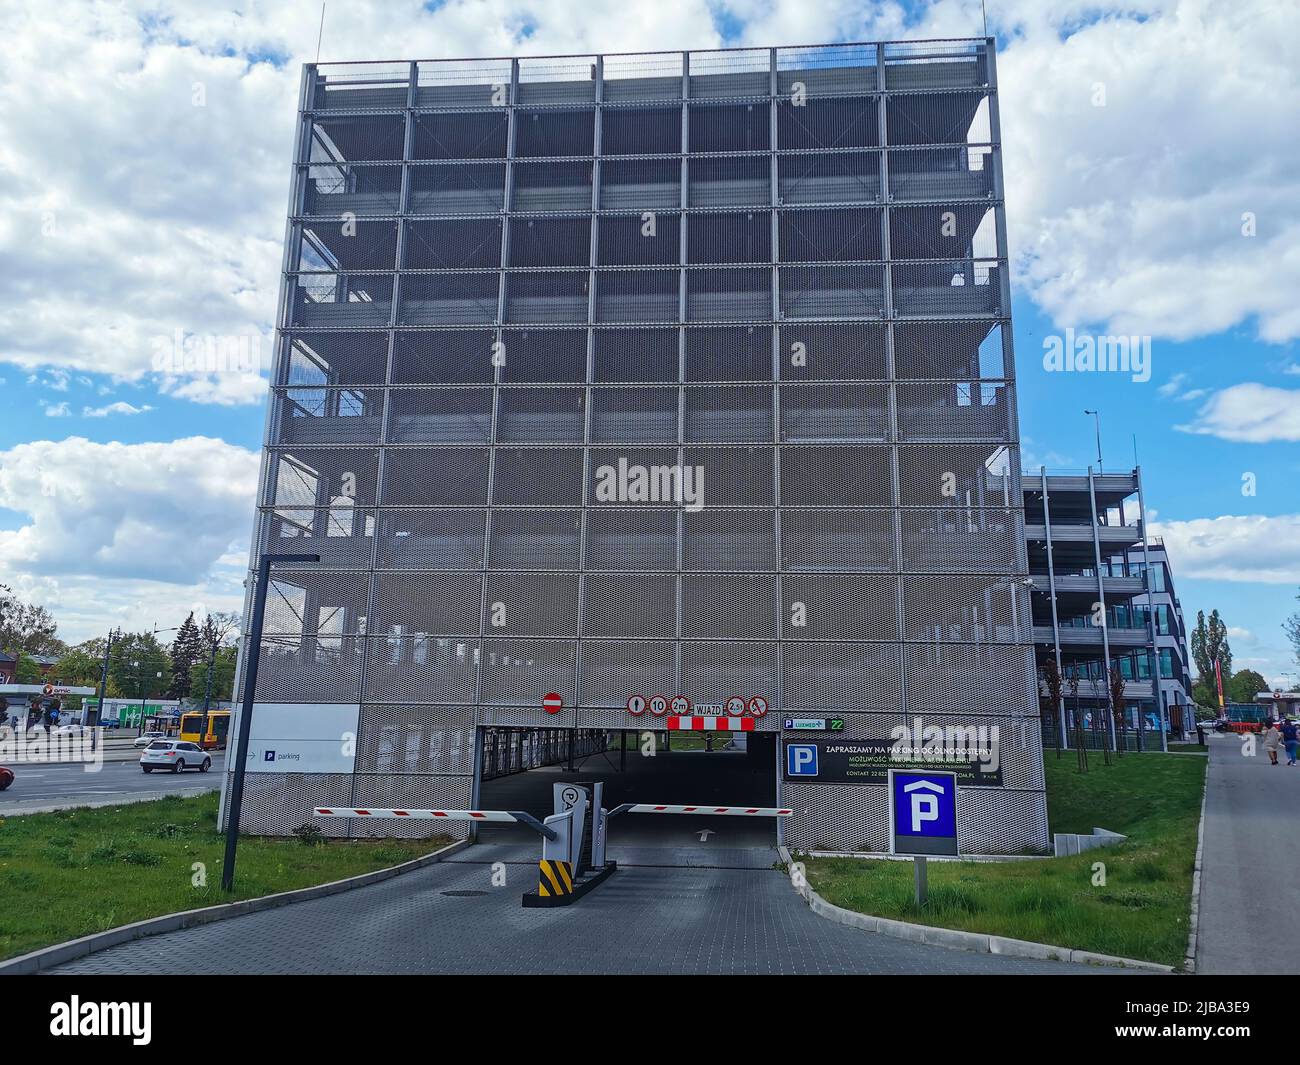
{"points": [[724, 811], [517, 816], [698, 723]]}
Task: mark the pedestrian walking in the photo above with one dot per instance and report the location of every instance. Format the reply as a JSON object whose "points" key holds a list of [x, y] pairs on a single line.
{"points": [[1291, 739], [1272, 742]]}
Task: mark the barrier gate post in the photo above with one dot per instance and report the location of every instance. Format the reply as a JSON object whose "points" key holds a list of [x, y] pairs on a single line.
{"points": [[573, 862]]}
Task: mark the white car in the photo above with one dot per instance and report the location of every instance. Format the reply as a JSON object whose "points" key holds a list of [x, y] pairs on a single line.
{"points": [[174, 755], [148, 738]]}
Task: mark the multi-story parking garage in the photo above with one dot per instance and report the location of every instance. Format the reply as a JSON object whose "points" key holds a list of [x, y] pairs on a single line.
{"points": [[679, 375]]}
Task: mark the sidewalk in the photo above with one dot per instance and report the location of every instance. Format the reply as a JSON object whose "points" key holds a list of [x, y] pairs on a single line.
{"points": [[1251, 863]]}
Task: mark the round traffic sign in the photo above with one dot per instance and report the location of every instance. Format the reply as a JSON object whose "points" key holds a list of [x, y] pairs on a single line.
{"points": [[758, 706], [659, 706], [552, 703], [636, 705], [735, 706], [681, 704]]}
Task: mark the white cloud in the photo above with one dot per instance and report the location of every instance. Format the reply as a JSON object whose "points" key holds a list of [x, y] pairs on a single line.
{"points": [[1250, 548], [162, 512], [1250, 413], [1240, 635], [119, 407], [56, 410]]}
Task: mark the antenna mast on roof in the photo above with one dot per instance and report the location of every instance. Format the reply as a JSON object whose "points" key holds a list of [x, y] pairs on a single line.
{"points": [[321, 32]]}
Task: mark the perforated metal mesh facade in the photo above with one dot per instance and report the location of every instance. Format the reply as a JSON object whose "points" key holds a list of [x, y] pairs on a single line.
{"points": [[507, 280]]}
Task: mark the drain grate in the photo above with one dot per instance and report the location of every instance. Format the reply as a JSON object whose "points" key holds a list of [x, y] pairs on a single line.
{"points": [[463, 894]]}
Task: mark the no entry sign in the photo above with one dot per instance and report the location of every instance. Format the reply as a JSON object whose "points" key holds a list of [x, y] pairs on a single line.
{"points": [[552, 703]]}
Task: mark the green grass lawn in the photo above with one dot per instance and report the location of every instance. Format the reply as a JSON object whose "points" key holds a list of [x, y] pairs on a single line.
{"points": [[1141, 910], [74, 872]]}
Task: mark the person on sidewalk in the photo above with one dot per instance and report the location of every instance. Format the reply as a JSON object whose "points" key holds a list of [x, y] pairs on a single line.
{"points": [[1291, 738], [1272, 742]]}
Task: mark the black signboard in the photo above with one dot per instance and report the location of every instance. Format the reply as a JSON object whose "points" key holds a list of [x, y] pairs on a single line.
{"points": [[869, 761]]}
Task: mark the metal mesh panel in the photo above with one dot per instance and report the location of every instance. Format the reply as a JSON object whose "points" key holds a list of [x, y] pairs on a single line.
{"points": [[653, 76], [411, 792], [730, 238], [430, 539], [991, 678], [277, 803], [551, 186], [343, 359], [728, 295], [734, 476], [955, 410], [554, 132], [732, 127], [557, 79], [934, 118], [634, 415], [440, 415], [836, 817], [729, 181], [449, 299], [315, 602], [327, 415], [973, 475], [942, 231], [634, 605], [815, 235], [454, 244], [834, 412], [716, 672], [443, 356], [347, 301], [646, 239], [640, 184], [540, 415], [535, 539], [962, 350], [427, 603], [839, 606], [729, 73], [837, 540], [716, 412], [348, 245], [550, 242], [420, 669], [641, 130], [829, 177], [319, 669], [461, 188], [536, 476], [461, 82], [976, 609], [613, 671], [338, 189], [933, 64], [309, 477], [639, 355], [523, 671], [832, 291], [460, 135], [835, 476], [828, 123], [952, 173], [636, 296], [1012, 743], [368, 138], [361, 86], [959, 288], [532, 604], [553, 296], [430, 477], [833, 352], [632, 539], [743, 540], [840, 677], [543, 355], [726, 606], [341, 537], [958, 538], [729, 353], [827, 70]]}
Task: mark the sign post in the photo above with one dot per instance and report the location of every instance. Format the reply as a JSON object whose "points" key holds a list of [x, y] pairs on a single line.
{"points": [[922, 819]]}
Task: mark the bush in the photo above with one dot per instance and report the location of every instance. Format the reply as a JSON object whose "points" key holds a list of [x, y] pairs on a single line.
{"points": [[309, 835]]}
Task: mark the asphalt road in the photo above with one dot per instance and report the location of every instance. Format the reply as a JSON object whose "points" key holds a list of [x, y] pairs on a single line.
{"points": [[1250, 863], [40, 784]]}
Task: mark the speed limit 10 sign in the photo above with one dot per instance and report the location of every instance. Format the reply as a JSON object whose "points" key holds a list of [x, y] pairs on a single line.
{"points": [[658, 706]]}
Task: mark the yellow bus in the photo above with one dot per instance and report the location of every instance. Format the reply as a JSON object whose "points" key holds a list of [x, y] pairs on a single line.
{"points": [[218, 727]]}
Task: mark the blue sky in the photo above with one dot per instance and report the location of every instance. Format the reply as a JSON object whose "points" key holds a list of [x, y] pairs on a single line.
{"points": [[126, 493]]}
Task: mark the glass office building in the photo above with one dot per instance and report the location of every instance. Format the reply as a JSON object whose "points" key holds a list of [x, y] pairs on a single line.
{"points": [[675, 374]]}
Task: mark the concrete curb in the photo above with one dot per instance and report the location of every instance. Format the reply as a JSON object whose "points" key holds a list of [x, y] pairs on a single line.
{"points": [[49, 957], [1189, 961], [959, 940]]}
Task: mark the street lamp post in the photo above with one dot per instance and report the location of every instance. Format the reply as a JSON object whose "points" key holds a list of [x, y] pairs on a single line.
{"points": [[254, 651], [1096, 418]]}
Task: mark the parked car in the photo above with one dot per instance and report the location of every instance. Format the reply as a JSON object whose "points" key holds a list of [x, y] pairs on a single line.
{"points": [[6, 777], [148, 738], [72, 729], [174, 755]]}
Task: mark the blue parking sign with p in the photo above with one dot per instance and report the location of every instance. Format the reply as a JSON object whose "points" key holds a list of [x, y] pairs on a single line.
{"points": [[923, 812], [801, 759]]}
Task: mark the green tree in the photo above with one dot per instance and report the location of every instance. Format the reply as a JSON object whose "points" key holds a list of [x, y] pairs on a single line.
{"points": [[1244, 686], [223, 676], [186, 650], [1210, 643], [137, 660], [1292, 629], [81, 664], [27, 671], [26, 627]]}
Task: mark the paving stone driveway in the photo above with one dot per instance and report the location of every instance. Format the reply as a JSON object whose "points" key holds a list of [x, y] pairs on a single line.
{"points": [[646, 918]]}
